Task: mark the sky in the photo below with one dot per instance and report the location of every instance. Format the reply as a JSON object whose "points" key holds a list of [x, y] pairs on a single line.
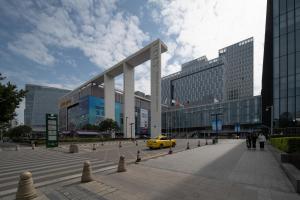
{"points": [[63, 43]]}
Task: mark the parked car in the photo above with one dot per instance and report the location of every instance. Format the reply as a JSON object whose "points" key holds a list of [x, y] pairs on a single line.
{"points": [[161, 141]]}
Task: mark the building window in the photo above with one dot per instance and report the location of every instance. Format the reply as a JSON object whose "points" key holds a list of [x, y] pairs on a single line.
{"points": [[282, 24], [283, 45], [291, 21], [291, 42], [291, 86], [297, 16], [276, 7], [290, 5], [276, 88], [276, 67], [276, 26], [282, 6], [283, 107], [276, 47], [283, 87], [298, 85], [297, 4], [297, 62], [283, 66], [291, 64]]}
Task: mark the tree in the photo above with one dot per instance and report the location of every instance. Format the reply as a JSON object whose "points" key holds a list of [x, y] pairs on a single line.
{"points": [[90, 127], [108, 125], [20, 131], [10, 99]]}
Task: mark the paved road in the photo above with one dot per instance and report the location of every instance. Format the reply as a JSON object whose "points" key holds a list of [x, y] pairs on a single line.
{"points": [[51, 166], [47, 166], [110, 151], [213, 172], [224, 171]]}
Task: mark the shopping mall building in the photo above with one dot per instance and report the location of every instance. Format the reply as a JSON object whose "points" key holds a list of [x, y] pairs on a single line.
{"points": [[86, 106]]}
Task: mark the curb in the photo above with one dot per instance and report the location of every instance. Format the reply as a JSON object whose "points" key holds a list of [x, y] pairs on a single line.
{"points": [[290, 170]]}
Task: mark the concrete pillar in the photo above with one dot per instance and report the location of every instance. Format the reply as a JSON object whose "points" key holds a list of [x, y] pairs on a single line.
{"points": [[109, 96], [155, 57], [129, 102]]}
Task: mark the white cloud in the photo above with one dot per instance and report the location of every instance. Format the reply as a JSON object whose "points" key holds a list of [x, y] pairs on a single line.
{"points": [[203, 27], [32, 48], [103, 33]]}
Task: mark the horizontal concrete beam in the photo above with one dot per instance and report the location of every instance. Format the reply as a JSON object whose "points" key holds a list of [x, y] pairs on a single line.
{"points": [[133, 60]]}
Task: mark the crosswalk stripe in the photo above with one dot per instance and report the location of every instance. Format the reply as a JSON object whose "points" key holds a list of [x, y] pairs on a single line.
{"points": [[58, 174], [39, 168], [38, 162], [49, 182]]}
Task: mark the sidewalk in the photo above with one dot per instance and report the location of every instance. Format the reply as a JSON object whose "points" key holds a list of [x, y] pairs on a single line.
{"points": [[224, 171], [213, 172]]}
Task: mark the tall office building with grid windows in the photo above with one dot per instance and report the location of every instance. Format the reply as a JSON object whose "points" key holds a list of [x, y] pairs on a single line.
{"points": [[40, 100], [281, 67], [202, 81]]}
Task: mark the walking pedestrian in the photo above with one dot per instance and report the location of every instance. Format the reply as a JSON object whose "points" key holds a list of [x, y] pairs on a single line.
{"points": [[262, 140], [248, 141], [253, 140]]}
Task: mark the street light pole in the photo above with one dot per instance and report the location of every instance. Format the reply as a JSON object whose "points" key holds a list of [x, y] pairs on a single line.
{"points": [[131, 130], [126, 126], [272, 117]]}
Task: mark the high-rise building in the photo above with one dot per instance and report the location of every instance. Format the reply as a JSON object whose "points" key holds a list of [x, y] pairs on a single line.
{"points": [[203, 81], [281, 67], [40, 100]]}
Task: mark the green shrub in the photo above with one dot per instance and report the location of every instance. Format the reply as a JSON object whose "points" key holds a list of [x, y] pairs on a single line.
{"points": [[287, 144]]}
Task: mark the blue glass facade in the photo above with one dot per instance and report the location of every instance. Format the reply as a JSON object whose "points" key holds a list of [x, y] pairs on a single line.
{"points": [[246, 112], [90, 110]]}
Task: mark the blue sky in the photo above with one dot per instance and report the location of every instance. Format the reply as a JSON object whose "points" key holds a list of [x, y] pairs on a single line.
{"points": [[62, 43]]}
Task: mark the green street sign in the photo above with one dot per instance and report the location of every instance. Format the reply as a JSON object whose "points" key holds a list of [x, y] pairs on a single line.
{"points": [[51, 130]]}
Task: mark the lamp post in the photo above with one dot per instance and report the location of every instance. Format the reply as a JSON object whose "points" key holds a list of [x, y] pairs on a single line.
{"points": [[272, 116], [131, 130], [126, 126]]}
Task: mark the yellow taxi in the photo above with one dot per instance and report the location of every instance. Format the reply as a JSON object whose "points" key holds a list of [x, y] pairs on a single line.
{"points": [[160, 141]]}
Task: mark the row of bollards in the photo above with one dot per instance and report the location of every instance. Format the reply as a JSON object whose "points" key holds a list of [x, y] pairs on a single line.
{"points": [[27, 191], [74, 148], [198, 144]]}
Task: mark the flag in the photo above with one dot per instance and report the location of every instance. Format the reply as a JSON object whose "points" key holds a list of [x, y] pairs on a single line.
{"points": [[173, 102], [216, 100], [166, 101]]}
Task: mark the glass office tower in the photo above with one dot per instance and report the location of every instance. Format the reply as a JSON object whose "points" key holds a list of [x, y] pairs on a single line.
{"points": [[282, 63]]}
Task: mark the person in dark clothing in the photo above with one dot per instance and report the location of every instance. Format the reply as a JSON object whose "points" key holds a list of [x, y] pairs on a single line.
{"points": [[248, 141], [253, 140]]}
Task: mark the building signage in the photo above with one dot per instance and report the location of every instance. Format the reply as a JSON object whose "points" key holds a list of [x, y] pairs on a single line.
{"points": [[219, 125], [237, 128], [65, 103], [144, 118], [51, 130]]}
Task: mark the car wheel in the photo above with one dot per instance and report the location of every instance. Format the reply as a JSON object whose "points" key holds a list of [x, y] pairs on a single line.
{"points": [[161, 146], [173, 144]]}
